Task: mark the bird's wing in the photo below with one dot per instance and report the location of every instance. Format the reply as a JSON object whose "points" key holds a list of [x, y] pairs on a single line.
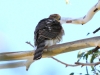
{"points": [[46, 29]]}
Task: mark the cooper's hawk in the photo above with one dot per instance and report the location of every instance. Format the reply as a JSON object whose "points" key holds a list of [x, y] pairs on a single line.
{"points": [[48, 32]]}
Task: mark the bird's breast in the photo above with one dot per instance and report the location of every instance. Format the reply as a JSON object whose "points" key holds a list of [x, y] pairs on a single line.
{"points": [[56, 40]]}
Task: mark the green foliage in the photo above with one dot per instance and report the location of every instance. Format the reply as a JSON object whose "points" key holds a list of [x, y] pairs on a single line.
{"points": [[90, 55], [80, 54]]}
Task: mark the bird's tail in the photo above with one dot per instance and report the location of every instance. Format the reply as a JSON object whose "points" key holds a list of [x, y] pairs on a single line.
{"points": [[39, 51]]}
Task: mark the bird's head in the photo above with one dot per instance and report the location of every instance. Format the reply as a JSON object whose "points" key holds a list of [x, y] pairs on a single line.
{"points": [[55, 16]]}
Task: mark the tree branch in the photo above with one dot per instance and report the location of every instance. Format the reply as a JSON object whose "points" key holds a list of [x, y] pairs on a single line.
{"points": [[52, 51], [77, 63], [64, 63], [84, 19], [87, 64]]}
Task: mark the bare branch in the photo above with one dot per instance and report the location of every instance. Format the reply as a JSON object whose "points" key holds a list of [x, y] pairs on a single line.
{"points": [[64, 63], [77, 63], [84, 19], [52, 51], [30, 44], [23, 63], [87, 64], [12, 65]]}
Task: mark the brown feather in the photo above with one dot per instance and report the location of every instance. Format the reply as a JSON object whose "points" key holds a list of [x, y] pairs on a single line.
{"points": [[48, 32]]}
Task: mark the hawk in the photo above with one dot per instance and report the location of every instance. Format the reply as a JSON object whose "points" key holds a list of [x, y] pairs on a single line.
{"points": [[48, 32]]}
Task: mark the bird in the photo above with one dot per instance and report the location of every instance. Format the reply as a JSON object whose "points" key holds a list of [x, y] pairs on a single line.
{"points": [[48, 32]]}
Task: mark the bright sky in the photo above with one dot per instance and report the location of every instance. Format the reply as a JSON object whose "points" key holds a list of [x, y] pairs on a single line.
{"points": [[18, 19]]}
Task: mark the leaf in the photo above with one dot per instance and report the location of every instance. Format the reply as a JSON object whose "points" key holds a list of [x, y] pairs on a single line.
{"points": [[80, 54], [92, 58], [89, 52], [92, 68], [97, 53], [72, 73], [98, 71], [85, 56], [86, 74]]}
